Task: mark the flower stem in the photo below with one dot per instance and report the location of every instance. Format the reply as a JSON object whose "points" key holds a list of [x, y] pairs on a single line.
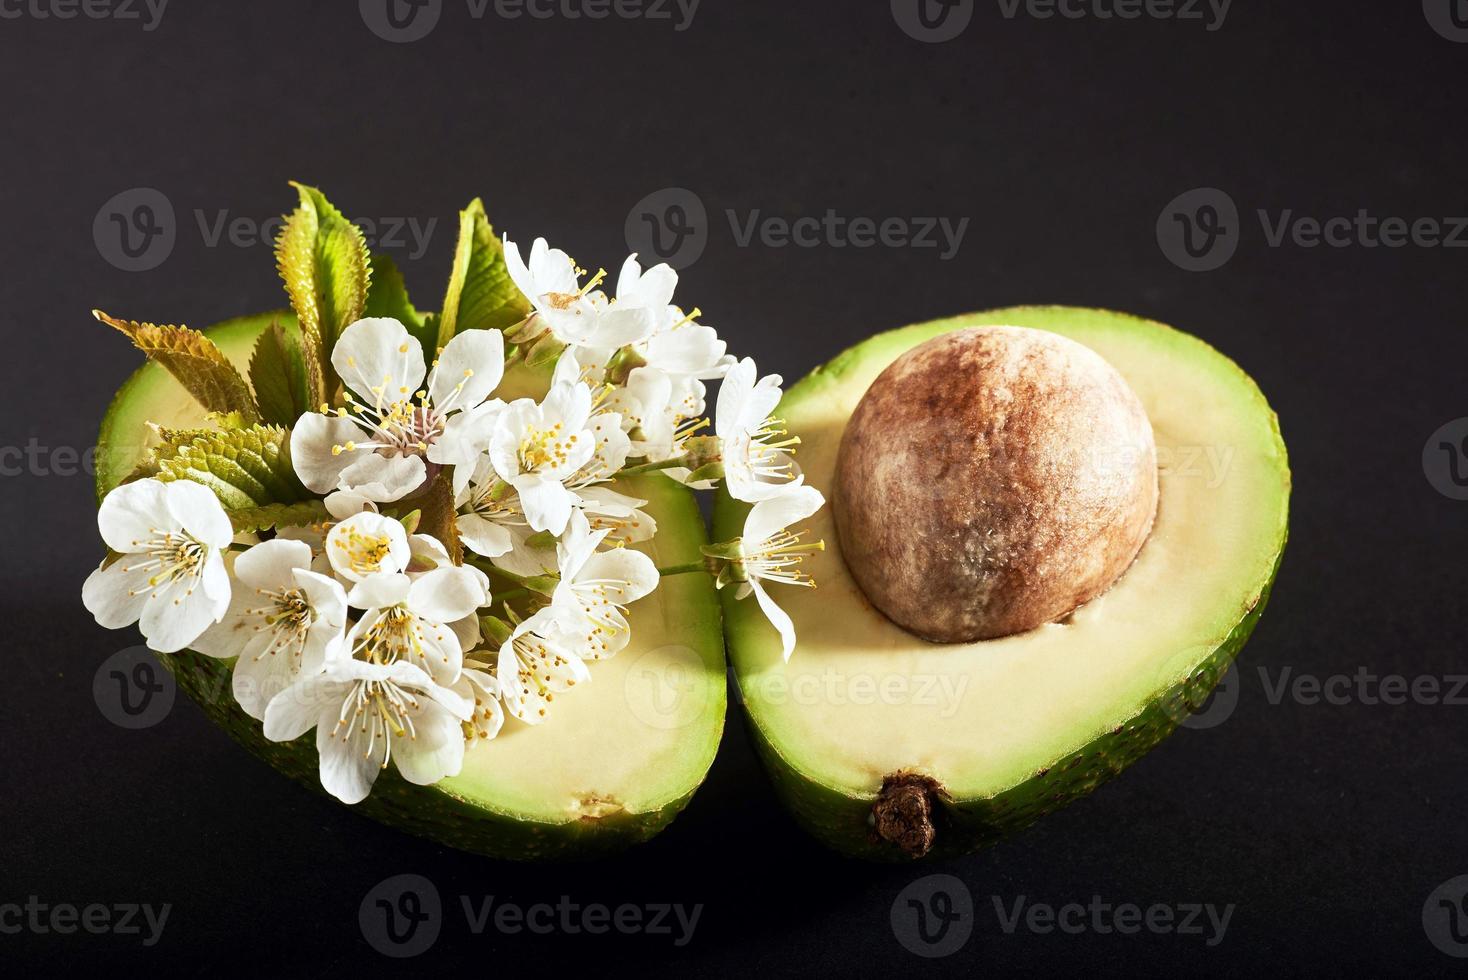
{"points": [[693, 566], [666, 464]]}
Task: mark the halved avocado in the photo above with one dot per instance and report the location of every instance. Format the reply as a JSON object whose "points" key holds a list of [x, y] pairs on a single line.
{"points": [[887, 746], [613, 765]]}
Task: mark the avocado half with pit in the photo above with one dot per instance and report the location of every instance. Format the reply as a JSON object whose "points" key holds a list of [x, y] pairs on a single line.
{"points": [[890, 746], [612, 767]]}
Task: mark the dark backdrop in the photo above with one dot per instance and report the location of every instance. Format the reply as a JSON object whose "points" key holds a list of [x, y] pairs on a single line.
{"points": [[1062, 142]]}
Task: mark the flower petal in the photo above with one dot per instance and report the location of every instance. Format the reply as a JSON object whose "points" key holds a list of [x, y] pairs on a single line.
{"points": [[778, 618], [379, 360], [177, 613], [135, 513], [115, 595], [384, 478], [313, 438], [446, 594], [435, 749], [767, 517], [469, 368], [199, 513], [546, 502], [271, 564]]}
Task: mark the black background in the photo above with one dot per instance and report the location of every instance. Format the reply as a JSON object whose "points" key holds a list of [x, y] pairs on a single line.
{"points": [[1062, 141]]}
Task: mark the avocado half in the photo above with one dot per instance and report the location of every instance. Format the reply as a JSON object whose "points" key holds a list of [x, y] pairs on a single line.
{"points": [[888, 747], [616, 762]]}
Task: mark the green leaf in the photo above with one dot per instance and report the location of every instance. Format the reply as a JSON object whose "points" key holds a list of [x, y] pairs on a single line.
{"points": [[194, 360], [278, 373], [323, 260], [388, 296], [245, 467], [481, 294], [303, 514]]}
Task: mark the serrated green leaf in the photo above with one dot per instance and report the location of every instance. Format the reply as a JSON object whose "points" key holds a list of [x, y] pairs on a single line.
{"points": [[303, 514], [245, 468], [278, 373], [481, 294], [323, 261], [194, 360]]}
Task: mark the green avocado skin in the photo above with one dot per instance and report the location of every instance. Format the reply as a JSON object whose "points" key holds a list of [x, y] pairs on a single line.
{"points": [[843, 821], [426, 811]]}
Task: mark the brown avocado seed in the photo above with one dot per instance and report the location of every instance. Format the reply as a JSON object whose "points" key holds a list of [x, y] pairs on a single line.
{"points": [[992, 480]]}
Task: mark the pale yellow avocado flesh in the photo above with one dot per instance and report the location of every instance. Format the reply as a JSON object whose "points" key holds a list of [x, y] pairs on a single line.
{"points": [[862, 699]]}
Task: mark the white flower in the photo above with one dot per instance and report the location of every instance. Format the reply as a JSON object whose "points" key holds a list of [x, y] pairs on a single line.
{"points": [[755, 468], [574, 313], [170, 578], [483, 689], [677, 345], [380, 446], [410, 619], [285, 622], [536, 447], [767, 552], [488, 508], [536, 663], [366, 714], [367, 544], [600, 584]]}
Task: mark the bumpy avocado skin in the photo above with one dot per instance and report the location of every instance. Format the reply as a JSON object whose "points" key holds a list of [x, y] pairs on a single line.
{"points": [[843, 821], [426, 811]]}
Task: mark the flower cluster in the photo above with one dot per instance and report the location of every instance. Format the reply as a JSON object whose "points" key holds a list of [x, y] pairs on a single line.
{"points": [[400, 641]]}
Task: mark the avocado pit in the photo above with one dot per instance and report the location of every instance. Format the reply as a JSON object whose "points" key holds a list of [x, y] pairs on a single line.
{"points": [[993, 480]]}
